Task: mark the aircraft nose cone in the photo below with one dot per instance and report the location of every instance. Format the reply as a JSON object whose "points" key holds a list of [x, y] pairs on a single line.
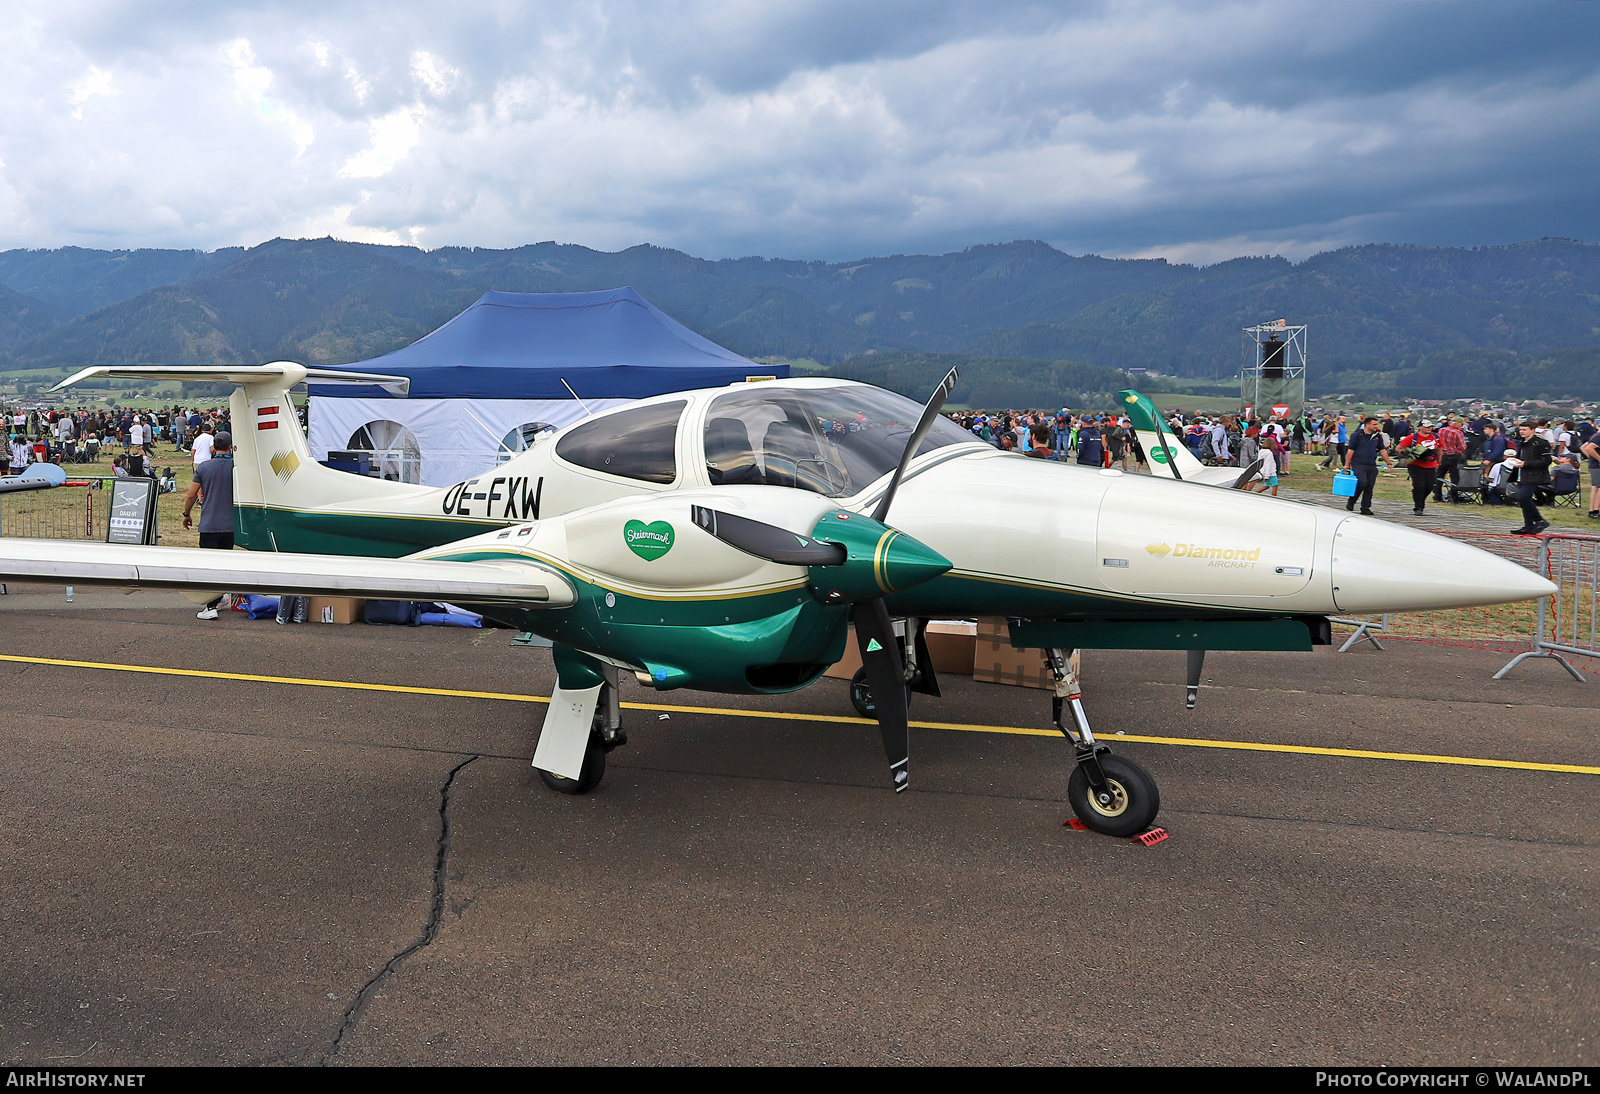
{"points": [[1382, 567]]}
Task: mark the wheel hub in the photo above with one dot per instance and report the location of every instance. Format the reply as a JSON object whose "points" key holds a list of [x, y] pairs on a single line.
{"points": [[1112, 801]]}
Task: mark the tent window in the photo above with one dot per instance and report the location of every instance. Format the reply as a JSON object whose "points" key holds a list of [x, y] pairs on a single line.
{"points": [[639, 443], [395, 453]]}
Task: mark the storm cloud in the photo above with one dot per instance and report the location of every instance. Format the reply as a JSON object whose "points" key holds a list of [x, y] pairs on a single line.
{"points": [[1197, 131]]}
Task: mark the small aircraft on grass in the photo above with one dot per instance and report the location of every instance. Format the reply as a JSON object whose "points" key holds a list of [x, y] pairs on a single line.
{"points": [[727, 539], [36, 476]]}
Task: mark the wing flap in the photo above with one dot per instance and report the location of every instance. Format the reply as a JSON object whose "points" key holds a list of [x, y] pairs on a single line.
{"points": [[60, 561]]}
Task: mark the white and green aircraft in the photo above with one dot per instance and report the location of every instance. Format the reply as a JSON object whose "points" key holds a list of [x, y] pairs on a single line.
{"points": [[725, 540], [1167, 455]]}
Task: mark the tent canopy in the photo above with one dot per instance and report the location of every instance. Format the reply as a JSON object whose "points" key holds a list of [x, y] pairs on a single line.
{"points": [[607, 344]]}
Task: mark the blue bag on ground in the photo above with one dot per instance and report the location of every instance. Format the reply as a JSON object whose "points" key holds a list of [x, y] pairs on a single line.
{"points": [[1344, 484], [257, 606], [447, 615]]}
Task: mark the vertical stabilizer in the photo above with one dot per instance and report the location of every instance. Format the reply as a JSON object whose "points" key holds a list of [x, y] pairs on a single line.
{"points": [[276, 480], [1168, 456]]}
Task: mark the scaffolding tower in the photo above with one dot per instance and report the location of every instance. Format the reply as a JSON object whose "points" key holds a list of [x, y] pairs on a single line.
{"points": [[1272, 382]]}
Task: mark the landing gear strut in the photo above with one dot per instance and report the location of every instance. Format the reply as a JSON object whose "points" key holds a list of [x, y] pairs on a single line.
{"points": [[1110, 794]]}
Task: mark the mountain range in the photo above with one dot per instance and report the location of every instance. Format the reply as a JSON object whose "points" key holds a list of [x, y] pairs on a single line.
{"points": [[1408, 319]]}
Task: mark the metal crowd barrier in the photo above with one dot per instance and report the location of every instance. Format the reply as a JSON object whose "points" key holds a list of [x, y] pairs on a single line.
{"points": [[1569, 620], [76, 510]]}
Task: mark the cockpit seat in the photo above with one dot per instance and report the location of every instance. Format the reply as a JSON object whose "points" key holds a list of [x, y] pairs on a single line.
{"points": [[730, 461], [784, 448]]}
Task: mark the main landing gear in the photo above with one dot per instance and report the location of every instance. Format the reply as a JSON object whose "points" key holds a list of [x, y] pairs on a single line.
{"points": [[1111, 795], [583, 723], [605, 735]]}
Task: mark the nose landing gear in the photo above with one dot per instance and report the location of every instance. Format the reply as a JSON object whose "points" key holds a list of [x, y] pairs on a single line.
{"points": [[1110, 794]]}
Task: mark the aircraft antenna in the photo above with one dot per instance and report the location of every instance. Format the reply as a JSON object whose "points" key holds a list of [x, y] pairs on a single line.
{"points": [[587, 413]]}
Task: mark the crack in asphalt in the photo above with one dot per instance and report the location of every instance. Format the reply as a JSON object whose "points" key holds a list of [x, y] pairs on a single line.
{"points": [[430, 930]]}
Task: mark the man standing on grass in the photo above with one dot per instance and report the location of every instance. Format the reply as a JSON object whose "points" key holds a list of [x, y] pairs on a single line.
{"points": [[213, 488], [201, 449], [1366, 447], [1532, 463]]}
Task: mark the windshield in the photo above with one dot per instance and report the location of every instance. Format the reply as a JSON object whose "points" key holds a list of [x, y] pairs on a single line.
{"points": [[832, 441]]}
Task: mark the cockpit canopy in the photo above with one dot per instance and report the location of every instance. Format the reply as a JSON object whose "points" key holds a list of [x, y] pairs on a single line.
{"points": [[832, 441]]}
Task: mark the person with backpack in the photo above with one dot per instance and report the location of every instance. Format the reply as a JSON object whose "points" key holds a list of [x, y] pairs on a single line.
{"points": [[1091, 449]]}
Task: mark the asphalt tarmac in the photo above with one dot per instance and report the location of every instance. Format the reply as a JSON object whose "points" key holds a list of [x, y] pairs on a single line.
{"points": [[224, 871]]}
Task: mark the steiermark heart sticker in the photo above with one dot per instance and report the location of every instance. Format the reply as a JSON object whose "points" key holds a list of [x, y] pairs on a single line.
{"points": [[648, 541]]}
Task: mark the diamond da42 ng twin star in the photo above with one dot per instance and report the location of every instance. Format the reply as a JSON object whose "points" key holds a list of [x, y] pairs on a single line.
{"points": [[726, 539]]}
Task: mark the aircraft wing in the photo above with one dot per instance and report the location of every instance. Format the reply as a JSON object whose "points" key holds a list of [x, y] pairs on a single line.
{"points": [[241, 374], [66, 562]]}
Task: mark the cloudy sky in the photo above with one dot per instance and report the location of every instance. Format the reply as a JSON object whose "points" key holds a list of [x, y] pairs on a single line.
{"points": [[801, 128]]}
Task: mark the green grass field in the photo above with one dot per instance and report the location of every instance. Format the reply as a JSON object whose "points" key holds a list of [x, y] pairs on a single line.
{"points": [[1396, 486]]}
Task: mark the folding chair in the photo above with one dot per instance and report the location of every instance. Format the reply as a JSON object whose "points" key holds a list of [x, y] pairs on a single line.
{"points": [[1470, 488], [1564, 489]]}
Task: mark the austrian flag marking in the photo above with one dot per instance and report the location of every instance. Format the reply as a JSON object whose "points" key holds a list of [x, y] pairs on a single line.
{"points": [[267, 417]]}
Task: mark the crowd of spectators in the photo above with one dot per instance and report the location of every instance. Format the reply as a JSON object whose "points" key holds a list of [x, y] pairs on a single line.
{"points": [[129, 438], [1100, 440], [1433, 452], [1528, 463]]}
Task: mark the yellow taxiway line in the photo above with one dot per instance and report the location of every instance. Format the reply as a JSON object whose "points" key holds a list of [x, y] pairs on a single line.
{"points": [[793, 716]]}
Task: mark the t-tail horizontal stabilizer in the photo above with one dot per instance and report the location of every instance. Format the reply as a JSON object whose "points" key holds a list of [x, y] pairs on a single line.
{"points": [[286, 373]]}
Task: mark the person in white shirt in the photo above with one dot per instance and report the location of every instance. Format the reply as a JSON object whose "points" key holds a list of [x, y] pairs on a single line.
{"points": [[21, 454], [202, 446], [1267, 477], [136, 433]]}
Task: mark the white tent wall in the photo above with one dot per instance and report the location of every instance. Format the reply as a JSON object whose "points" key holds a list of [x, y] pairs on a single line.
{"points": [[455, 438]]}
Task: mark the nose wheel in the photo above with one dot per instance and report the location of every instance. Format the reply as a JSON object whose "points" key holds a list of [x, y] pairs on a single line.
{"points": [[1111, 795], [1124, 803]]}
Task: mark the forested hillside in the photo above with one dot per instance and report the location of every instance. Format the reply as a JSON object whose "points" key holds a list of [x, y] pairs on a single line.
{"points": [[1382, 318]]}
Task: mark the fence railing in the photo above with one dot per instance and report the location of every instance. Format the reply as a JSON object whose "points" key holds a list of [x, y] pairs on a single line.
{"points": [[76, 510], [1569, 620]]}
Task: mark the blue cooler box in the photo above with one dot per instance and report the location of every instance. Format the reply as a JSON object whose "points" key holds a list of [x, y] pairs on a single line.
{"points": [[1344, 484]]}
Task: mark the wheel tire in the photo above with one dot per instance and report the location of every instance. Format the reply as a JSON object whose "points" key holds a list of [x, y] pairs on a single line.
{"points": [[1136, 803], [594, 769], [861, 695]]}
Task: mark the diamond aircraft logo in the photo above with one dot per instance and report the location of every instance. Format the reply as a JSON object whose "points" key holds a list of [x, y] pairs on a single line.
{"points": [[1160, 550], [284, 464]]}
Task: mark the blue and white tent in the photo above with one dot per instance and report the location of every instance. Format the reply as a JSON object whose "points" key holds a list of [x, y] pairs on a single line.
{"points": [[490, 379]]}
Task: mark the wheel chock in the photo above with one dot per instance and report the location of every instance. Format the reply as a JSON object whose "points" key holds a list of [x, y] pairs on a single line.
{"points": [[1075, 824], [1150, 838]]}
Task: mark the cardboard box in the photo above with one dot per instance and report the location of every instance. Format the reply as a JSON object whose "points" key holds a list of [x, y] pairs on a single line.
{"points": [[997, 662], [950, 644], [337, 609]]}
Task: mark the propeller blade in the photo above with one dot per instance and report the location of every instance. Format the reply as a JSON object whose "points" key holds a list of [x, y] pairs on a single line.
{"points": [[925, 423], [1249, 473], [767, 541], [880, 656]]}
